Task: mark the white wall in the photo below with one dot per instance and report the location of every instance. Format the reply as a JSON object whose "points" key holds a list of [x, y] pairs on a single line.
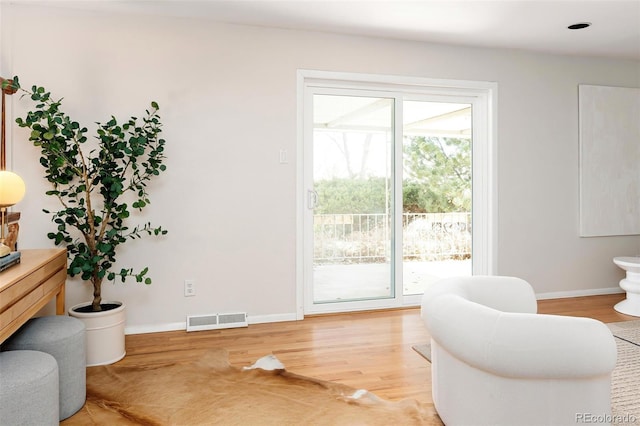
{"points": [[228, 100]]}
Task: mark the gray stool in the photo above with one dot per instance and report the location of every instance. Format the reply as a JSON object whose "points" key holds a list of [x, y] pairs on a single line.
{"points": [[28, 388], [64, 338]]}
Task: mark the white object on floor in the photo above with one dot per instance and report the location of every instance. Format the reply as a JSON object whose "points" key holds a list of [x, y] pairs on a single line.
{"points": [[359, 394], [630, 284], [268, 363]]}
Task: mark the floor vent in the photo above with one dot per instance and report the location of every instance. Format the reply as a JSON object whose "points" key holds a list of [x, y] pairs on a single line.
{"points": [[216, 321]]}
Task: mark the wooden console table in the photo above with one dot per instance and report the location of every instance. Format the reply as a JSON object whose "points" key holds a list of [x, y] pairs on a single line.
{"points": [[28, 286]]}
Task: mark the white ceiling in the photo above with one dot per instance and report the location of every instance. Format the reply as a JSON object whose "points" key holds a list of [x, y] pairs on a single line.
{"points": [[536, 25]]}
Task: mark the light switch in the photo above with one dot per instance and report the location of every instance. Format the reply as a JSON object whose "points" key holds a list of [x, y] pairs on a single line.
{"points": [[284, 158]]}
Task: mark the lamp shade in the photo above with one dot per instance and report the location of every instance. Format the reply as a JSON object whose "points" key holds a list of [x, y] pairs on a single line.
{"points": [[12, 188]]}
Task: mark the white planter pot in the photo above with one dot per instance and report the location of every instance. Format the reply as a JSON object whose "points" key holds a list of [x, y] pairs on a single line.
{"points": [[104, 333]]}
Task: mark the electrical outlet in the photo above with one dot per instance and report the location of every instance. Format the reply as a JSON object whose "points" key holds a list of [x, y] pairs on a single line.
{"points": [[189, 288]]}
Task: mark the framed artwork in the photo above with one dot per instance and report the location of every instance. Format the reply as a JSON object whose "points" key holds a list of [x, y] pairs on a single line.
{"points": [[609, 120]]}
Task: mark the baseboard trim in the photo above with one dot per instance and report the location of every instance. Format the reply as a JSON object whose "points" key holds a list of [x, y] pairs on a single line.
{"points": [[578, 293], [263, 319], [155, 328], [177, 326]]}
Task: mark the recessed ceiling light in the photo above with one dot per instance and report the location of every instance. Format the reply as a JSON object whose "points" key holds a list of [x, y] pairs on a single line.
{"points": [[579, 26]]}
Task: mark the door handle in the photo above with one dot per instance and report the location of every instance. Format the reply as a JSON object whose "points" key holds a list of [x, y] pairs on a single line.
{"points": [[312, 199]]}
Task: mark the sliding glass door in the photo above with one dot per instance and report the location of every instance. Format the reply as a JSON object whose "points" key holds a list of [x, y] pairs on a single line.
{"points": [[388, 197], [351, 198], [436, 192]]}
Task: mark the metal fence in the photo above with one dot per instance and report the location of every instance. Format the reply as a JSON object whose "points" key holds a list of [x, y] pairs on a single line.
{"points": [[365, 238]]}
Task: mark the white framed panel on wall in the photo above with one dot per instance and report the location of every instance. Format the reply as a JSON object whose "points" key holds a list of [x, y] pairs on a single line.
{"points": [[609, 160]]}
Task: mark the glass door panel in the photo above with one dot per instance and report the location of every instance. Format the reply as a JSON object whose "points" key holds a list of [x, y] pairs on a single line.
{"points": [[351, 198], [436, 217]]}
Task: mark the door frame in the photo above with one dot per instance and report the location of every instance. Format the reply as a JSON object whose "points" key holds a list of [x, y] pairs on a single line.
{"points": [[484, 159]]}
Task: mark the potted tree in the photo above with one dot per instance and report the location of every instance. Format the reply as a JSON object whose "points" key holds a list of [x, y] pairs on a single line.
{"points": [[97, 183]]}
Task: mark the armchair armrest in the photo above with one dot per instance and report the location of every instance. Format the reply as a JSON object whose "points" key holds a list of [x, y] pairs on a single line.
{"points": [[522, 345]]}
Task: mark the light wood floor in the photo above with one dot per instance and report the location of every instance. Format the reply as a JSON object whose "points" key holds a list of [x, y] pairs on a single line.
{"points": [[364, 350]]}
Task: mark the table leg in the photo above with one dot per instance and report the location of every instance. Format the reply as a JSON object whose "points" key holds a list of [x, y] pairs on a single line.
{"points": [[60, 301]]}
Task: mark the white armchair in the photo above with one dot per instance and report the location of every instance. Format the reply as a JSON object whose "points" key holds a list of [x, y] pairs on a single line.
{"points": [[495, 361]]}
